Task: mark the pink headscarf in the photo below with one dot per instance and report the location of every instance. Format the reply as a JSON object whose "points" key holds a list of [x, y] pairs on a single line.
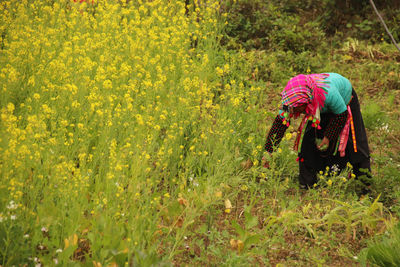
{"points": [[306, 89]]}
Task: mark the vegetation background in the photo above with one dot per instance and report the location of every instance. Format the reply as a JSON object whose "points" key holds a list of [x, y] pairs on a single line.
{"points": [[132, 133]]}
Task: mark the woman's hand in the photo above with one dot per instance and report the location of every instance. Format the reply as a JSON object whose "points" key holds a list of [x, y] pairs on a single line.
{"points": [[265, 163], [324, 144]]}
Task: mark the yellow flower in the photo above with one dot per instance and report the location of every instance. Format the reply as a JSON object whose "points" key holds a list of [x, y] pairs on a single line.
{"points": [[219, 71], [329, 182], [10, 107], [107, 84]]}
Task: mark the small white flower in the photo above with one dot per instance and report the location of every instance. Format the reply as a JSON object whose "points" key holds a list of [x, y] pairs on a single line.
{"points": [[12, 205], [55, 261], [59, 250], [44, 229], [13, 217], [385, 127], [26, 236], [335, 168]]}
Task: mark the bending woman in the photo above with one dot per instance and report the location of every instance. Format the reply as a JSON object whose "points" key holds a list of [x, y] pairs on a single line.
{"points": [[331, 114]]}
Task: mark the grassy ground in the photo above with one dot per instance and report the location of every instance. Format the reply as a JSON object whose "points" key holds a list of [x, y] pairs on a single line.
{"points": [[131, 136]]}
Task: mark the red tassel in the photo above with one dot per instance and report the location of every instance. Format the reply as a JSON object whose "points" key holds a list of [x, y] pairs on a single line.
{"points": [[302, 160], [297, 159]]}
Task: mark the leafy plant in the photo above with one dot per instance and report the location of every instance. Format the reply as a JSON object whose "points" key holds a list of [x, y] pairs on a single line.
{"points": [[356, 216], [384, 252], [246, 235]]}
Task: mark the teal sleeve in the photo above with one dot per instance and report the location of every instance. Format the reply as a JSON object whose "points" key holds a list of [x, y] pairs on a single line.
{"points": [[335, 103], [280, 112]]}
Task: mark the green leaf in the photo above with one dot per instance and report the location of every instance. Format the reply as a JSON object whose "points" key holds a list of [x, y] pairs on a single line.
{"points": [[251, 240], [251, 221], [239, 230]]}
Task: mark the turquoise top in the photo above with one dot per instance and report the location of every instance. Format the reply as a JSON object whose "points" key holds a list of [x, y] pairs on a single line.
{"points": [[339, 94]]}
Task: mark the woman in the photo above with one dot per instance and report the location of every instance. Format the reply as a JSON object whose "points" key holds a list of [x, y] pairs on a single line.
{"points": [[331, 114]]}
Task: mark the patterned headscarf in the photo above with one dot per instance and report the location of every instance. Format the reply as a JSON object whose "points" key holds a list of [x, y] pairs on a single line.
{"points": [[306, 89]]}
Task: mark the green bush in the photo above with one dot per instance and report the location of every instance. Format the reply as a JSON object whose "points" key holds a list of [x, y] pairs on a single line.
{"points": [[298, 27], [265, 25]]}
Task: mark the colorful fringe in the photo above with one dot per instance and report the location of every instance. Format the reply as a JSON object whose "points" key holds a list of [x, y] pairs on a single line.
{"points": [[302, 129], [344, 135]]}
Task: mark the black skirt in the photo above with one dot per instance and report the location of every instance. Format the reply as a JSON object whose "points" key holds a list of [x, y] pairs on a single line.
{"points": [[314, 160]]}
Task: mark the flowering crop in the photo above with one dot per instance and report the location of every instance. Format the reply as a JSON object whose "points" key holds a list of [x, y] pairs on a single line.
{"points": [[106, 108]]}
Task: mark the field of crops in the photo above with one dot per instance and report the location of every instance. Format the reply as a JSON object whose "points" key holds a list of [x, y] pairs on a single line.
{"points": [[131, 134]]}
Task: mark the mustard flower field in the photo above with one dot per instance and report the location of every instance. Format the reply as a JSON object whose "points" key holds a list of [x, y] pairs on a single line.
{"points": [[129, 136]]}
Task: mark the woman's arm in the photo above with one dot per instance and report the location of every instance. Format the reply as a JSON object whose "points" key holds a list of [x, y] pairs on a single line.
{"points": [[275, 134], [335, 126]]}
